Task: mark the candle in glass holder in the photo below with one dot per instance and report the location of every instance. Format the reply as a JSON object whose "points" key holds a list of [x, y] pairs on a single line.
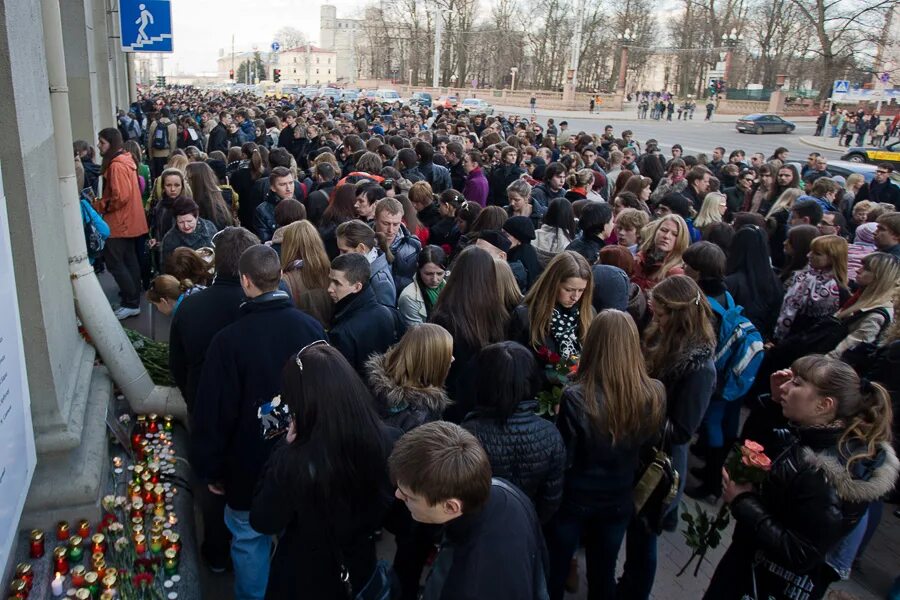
{"points": [[76, 548], [168, 423], [156, 543], [173, 540], [60, 560], [84, 528], [170, 562], [62, 531], [138, 471], [98, 543], [140, 543], [98, 561], [173, 520], [136, 439], [147, 494], [109, 583], [36, 548], [78, 572], [17, 590], [92, 582], [153, 424], [108, 595], [141, 424], [26, 574], [159, 511], [56, 586], [83, 594], [137, 509], [137, 530]]}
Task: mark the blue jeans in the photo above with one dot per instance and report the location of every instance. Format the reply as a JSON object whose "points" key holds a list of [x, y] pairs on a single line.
{"points": [[250, 552], [603, 529], [721, 422]]}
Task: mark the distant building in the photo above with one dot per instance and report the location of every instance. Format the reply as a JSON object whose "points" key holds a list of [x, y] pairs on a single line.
{"points": [[308, 65], [343, 38], [224, 64], [372, 46]]}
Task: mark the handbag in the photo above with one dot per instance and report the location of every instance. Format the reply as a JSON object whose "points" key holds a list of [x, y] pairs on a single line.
{"points": [[656, 487], [382, 584], [94, 240]]}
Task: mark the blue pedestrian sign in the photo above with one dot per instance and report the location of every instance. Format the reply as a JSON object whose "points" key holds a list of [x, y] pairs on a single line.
{"points": [[841, 87], [276, 46], [146, 25]]}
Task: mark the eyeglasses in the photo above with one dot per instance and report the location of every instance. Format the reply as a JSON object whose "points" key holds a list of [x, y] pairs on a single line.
{"points": [[880, 172], [306, 347]]}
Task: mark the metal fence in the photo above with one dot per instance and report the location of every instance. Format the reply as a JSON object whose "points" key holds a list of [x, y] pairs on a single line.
{"points": [[765, 93]]}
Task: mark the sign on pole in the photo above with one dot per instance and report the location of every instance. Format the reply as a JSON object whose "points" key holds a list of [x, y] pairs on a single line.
{"points": [[841, 87], [146, 25], [276, 46]]}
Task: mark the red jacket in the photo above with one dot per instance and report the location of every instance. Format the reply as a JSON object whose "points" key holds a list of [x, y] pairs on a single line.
{"points": [[121, 204]]}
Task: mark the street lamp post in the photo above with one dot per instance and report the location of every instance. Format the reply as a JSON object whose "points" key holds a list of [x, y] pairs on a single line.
{"points": [[730, 41], [624, 39], [410, 78], [513, 71]]}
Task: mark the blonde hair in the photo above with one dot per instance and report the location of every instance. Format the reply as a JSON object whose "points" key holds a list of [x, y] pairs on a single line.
{"points": [[885, 269], [632, 218], [302, 242], [689, 324], [785, 201], [709, 210], [422, 357], [581, 178], [611, 360], [510, 295], [158, 191], [682, 241], [178, 161], [835, 248], [541, 298], [166, 287], [854, 180]]}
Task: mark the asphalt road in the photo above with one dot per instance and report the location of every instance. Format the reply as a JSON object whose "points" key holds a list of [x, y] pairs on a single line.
{"points": [[695, 136]]}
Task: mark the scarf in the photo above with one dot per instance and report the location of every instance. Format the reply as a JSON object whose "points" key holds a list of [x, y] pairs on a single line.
{"points": [[811, 292], [564, 330], [432, 294]]}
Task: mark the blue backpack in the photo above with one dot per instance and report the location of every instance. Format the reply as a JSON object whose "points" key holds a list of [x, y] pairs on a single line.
{"points": [[739, 351]]}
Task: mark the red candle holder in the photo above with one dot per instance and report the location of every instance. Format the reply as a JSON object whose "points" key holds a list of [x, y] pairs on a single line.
{"points": [[36, 547], [84, 528], [153, 425], [26, 574], [60, 560], [140, 543], [98, 543], [136, 439], [78, 572], [62, 531]]}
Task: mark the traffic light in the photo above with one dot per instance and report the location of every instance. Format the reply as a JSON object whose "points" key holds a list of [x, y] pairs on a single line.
{"points": [[276, 75], [720, 86], [161, 80], [231, 74]]}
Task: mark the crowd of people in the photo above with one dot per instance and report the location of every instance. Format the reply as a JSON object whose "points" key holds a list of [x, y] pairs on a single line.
{"points": [[370, 307], [845, 124]]}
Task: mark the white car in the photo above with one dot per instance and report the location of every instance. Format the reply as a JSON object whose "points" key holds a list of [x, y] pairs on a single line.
{"points": [[476, 105], [388, 96]]}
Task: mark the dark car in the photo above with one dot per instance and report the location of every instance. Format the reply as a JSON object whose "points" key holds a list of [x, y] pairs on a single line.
{"points": [[872, 155], [764, 124]]}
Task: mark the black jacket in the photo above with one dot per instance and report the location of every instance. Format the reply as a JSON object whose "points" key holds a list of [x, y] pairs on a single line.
{"points": [[199, 317], [501, 176], [526, 255], [403, 406], [598, 473], [305, 562], [526, 450], [241, 372], [362, 327], [218, 139], [762, 311], [588, 247], [690, 381], [429, 215], [497, 552], [808, 503], [457, 176]]}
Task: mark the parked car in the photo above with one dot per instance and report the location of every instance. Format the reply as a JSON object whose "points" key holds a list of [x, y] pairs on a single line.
{"points": [[477, 105], [387, 96], [764, 123], [349, 95], [447, 101], [845, 167], [872, 155], [422, 99]]}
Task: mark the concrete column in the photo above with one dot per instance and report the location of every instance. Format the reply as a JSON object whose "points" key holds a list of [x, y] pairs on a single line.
{"points": [[117, 57], [105, 103], [67, 394], [81, 68]]}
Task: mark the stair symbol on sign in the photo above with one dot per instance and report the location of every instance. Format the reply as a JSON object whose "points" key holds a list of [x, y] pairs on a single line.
{"points": [[151, 41]]}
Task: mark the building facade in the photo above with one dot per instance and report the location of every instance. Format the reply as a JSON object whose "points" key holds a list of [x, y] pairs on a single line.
{"points": [[343, 38], [308, 65]]}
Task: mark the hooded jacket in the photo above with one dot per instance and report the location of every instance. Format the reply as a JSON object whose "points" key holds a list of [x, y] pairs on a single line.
{"points": [[382, 281], [361, 327], [403, 406], [405, 249], [543, 195], [121, 204], [264, 217], [476, 188]]}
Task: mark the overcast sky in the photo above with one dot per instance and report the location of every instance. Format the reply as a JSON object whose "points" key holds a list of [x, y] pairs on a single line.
{"points": [[204, 27]]}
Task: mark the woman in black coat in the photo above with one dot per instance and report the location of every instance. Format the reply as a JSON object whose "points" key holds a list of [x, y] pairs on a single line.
{"points": [[326, 489], [523, 448], [750, 278], [818, 487]]}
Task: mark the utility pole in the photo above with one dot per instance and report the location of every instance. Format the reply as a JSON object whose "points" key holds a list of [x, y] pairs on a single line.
{"points": [[308, 60], [438, 33], [353, 52], [576, 43], [232, 53]]}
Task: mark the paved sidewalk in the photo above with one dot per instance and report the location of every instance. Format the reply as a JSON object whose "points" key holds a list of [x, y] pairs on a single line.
{"points": [[822, 143], [629, 113]]}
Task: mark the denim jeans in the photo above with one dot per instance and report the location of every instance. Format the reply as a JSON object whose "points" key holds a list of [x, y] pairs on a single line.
{"points": [[250, 552], [603, 529], [721, 421]]}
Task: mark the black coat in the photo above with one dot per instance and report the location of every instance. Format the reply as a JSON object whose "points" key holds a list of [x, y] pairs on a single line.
{"points": [[526, 450], [526, 255], [362, 327], [305, 564], [762, 311], [808, 503], [690, 381], [242, 371], [588, 247], [199, 317], [598, 473], [457, 176], [497, 552], [402, 406], [218, 139], [429, 215], [501, 177]]}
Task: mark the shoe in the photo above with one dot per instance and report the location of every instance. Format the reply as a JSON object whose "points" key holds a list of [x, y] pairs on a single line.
{"points": [[123, 312]]}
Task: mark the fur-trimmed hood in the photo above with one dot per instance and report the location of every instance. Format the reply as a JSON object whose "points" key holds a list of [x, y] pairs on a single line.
{"points": [[692, 359], [432, 398], [877, 480]]}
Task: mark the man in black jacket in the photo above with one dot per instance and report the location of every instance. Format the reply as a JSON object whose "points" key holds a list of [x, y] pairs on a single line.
{"points": [[455, 153], [198, 319], [492, 545], [241, 374], [361, 325], [218, 136]]}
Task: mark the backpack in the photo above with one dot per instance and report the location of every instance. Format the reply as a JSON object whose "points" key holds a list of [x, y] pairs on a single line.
{"points": [[739, 351], [160, 137], [93, 238]]}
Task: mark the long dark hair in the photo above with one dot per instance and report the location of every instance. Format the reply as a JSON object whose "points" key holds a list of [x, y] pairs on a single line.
{"points": [[339, 456], [113, 137], [429, 254], [749, 254], [507, 375], [340, 208], [560, 214]]}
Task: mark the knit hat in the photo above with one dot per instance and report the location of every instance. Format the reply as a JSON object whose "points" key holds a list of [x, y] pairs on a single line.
{"points": [[865, 233], [678, 204], [496, 239], [611, 287], [520, 228], [219, 168]]}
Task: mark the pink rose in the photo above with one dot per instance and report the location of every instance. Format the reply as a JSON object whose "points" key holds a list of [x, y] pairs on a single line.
{"points": [[753, 446]]}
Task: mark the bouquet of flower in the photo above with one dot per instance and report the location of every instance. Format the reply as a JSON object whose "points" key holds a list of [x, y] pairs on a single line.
{"points": [[557, 370], [746, 463]]}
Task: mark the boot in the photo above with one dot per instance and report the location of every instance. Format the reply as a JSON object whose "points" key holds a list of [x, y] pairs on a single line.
{"points": [[711, 480]]}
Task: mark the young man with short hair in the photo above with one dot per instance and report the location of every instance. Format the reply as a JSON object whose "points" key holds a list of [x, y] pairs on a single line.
{"points": [[404, 245], [281, 187], [367, 196], [806, 211], [492, 545], [361, 326], [241, 371], [887, 234]]}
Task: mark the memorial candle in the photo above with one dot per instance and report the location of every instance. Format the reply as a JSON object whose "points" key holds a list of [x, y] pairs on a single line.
{"points": [[60, 560], [76, 549], [36, 549], [98, 543], [26, 574], [78, 572], [140, 543], [167, 422], [92, 582], [156, 543], [62, 531], [170, 562], [56, 586], [84, 528]]}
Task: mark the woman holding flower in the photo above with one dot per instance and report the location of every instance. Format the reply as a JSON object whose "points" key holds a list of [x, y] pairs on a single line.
{"points": [[818, 487]]}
